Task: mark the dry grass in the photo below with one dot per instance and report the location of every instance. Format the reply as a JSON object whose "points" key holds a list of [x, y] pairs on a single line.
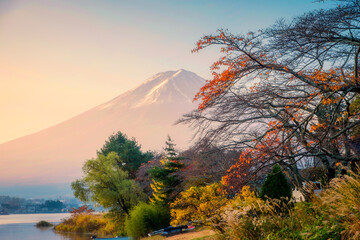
{"points": [[87, 223], [333, 215], [342, 203]]}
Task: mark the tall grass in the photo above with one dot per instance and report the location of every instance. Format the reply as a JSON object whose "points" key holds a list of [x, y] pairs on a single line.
{"points": [[333, 215], [342, 204], [270, 219]]}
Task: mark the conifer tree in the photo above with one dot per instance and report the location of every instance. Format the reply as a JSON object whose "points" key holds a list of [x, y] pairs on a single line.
{"points": [[276, 186], [165, 182]]}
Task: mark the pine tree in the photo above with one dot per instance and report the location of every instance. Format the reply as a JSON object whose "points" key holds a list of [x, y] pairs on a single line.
{"points": [[276, 185], [170, 149], [165, 182]]}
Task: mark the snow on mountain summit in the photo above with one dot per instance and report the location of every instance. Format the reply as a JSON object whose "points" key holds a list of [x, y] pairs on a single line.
{"points": [[163, 87]]}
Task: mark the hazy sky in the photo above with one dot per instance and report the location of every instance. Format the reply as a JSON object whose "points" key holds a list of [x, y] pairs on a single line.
{"points": [[59, 58]]}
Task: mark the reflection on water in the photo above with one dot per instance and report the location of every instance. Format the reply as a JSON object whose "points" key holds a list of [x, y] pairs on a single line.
{"points": [[22, 227], [74, 236], [28, 231]]}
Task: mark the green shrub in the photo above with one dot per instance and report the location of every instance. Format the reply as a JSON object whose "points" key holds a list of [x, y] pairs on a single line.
{"points": [[145, 218], [276, 185]]}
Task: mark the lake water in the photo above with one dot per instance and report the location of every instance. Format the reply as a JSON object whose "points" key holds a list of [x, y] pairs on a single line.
{"points": [[22, 227]]}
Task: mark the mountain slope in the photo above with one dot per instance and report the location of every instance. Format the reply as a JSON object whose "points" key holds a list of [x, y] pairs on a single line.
{"points": [[56, 154]]}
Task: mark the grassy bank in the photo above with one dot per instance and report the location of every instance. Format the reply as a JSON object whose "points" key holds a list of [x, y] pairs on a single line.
{"points": [[98, 224]]}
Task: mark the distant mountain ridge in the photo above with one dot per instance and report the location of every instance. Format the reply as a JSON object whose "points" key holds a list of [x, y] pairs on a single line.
{"points": [[147, 112]]}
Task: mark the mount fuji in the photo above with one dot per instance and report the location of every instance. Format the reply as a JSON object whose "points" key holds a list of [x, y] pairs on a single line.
{"points": [[147, 112]]}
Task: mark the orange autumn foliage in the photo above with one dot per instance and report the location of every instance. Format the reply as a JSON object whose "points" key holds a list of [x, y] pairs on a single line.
{"points": [[298, 110]]}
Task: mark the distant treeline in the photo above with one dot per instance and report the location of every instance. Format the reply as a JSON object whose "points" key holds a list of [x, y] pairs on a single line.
{"points": [[10, 205]]}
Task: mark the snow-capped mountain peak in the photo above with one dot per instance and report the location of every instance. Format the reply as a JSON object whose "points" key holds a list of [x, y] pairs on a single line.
{"points": [[163, 87], [179, 86]]}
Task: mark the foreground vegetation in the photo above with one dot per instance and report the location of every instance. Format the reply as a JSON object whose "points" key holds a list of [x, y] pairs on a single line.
{"points": [[333, 215]]}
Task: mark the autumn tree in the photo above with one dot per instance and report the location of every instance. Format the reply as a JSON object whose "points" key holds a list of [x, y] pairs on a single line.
{"points": [[143, 176], [203, 204], [283, 94], [84, 209], [355, 134], [206, 164]]}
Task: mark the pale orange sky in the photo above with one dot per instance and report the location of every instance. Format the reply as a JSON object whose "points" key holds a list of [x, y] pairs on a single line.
{"points": [[59, 58]]}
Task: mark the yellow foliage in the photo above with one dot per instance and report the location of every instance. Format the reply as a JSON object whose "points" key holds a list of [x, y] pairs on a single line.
{"points": [[202, 204], [159, 193], [245, 198], [87, 223]]}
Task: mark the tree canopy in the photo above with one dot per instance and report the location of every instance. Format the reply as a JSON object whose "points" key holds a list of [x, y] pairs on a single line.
{"points": [[200, 204], [128, 150], [283, 94], [107, 184]]}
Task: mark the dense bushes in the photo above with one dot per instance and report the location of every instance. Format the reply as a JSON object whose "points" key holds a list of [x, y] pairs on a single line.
{"points": [[145, 218], [88, 223]]}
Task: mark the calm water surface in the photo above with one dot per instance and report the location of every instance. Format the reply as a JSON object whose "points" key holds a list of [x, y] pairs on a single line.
{"points": [[22, 227]]}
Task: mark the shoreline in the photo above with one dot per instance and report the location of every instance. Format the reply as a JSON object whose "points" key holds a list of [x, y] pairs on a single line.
{"points": [[32, 218]]}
